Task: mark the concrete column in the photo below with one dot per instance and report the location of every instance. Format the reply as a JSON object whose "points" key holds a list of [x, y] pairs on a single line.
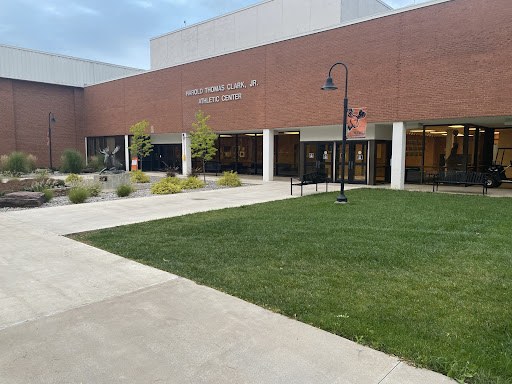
{"points": [[126, 153], [186, 154], [268, 155], [398, 156]]}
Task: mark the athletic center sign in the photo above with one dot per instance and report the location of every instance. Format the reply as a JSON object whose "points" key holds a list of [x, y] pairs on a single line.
{"points": [[230, 92]]}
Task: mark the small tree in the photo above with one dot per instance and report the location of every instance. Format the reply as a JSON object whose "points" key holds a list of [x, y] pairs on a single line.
{"points": [[202, 140], [141, 143]]}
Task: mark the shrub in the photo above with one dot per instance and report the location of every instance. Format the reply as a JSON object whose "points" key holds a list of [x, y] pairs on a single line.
{"points": [[230, 179], [196, 171], [78, 195], [40, 184], [74, 179], [139, 177], [192, 183], [93, 189], [48, 195], [166, 186], [41, 173], [125, 190], [71, 161], [96, 162], [3, 162], [31, 163], [172, 180], [16, 163], [170, 171]]}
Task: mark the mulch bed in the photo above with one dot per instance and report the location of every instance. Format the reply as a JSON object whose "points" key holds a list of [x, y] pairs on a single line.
{"points": [[15, 186]]}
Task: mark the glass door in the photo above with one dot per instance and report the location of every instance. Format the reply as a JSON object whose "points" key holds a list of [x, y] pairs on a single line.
{"points": [[356, 153], [383, 162], [318, 158]]}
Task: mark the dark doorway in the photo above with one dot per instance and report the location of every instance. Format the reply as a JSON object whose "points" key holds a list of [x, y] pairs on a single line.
{"points": [[161, 155], [383, 162], [287, 153]]}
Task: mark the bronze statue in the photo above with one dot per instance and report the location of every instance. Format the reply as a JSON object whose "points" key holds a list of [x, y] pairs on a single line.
{"points": [[111, 163]]}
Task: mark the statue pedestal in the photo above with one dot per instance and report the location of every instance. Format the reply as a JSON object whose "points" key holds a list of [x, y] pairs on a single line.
{"points": [[112, 180]]}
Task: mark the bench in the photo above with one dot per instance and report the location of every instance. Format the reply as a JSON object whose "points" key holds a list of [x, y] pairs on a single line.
{"points": [[213, 166], [308, 179], [460, 178]]}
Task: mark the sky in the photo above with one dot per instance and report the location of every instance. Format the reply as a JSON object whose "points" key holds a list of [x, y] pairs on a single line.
{"points": [[112, 31]]}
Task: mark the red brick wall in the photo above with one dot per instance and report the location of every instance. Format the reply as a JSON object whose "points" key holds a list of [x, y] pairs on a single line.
{"points": [[7, 128], [450, 60], [24, 119]]}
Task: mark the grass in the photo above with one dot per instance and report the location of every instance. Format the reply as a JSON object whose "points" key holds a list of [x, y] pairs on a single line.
{"points": [[426, 277]]}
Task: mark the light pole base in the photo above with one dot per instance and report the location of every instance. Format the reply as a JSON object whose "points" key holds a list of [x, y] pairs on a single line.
{"points": [[342, 199]]}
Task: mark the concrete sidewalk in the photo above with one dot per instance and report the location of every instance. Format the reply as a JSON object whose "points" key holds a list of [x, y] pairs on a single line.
{"points": [[92, 216], [70, 313]]}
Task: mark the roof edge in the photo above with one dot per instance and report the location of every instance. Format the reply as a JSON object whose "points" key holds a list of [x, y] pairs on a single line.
{"points": [[71, 57]]}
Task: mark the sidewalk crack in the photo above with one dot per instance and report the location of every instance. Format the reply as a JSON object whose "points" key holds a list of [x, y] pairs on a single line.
{"points": [[389, 373]]}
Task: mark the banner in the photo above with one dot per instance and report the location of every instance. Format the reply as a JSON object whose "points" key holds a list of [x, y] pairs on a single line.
{"points": [[356, 123]]}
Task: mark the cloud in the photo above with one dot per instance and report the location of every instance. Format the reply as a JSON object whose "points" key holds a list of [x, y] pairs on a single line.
{"points": [[67, 9], [84, 10], [143, 3]]}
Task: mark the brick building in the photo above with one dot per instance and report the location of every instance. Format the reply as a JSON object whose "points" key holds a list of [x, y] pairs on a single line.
{"points": [[434, 79]]}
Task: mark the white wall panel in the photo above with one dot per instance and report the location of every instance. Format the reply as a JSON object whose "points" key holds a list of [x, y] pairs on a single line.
{"points": [[263, 23], [174, 49], [296, 16], [352, 10], [166, 138], [206, 39], [224, 34], [326, 133], [324, 13], [189, 43], [270, 19], [246, 27], [24, 64]]}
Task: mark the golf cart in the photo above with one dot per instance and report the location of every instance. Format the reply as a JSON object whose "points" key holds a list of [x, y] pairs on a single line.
{"points": [[497, 171]]}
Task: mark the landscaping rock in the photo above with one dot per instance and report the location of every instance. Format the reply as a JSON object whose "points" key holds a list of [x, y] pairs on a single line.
{"points": [[60, 191], [22, 199]]}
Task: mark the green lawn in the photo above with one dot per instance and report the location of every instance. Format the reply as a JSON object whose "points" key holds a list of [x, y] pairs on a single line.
{"points": [[426, 277]]}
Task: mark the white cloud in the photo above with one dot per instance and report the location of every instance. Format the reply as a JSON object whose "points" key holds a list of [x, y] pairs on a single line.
{"points": [[85, 10], [67, 9], [143, 3]]}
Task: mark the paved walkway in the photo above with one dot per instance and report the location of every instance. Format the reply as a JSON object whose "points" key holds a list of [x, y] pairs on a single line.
{"points": [[70, 313]]}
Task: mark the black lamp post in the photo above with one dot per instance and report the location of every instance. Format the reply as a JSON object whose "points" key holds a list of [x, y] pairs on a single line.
{"points": [[329, 86], [51, 120]]}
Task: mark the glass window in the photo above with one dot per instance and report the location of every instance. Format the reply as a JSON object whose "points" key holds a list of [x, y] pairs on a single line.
{"points": [[287, 154]]}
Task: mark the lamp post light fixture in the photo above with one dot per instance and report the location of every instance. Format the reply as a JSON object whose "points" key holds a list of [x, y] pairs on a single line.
{"points": [[51, 120], [329, 86]]}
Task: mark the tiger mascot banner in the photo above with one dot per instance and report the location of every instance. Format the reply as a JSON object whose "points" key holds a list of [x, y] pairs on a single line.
{"points": [[356, 123]]}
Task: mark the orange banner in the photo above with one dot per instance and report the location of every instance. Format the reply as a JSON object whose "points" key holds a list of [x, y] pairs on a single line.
{"points": [[356, 123], [134, 164]]}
